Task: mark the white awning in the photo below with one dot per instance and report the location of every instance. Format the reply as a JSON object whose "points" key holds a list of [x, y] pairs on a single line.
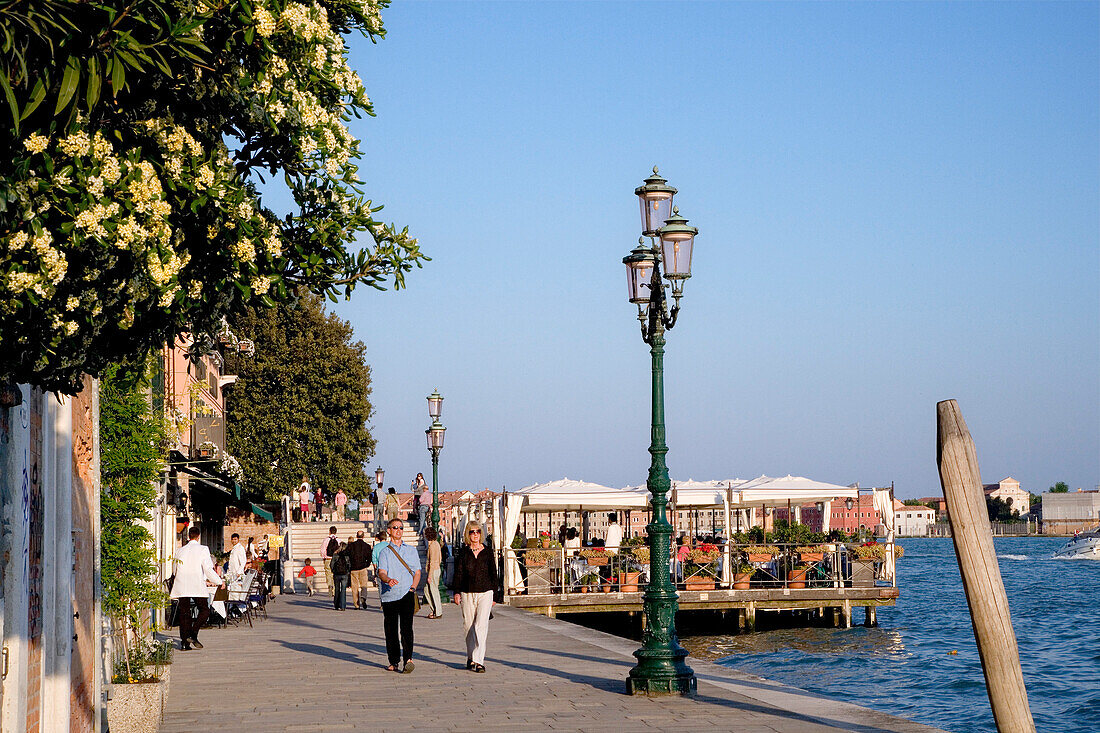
{"points": [[568, 495], [766, 491]]}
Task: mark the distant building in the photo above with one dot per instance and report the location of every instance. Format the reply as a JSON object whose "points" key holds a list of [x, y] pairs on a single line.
{"points": [[1067, 513], [938, 503], [1008, 489], [862, 515], [913, 520]]}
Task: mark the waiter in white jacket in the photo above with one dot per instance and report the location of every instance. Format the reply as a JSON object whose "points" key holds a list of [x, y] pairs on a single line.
{"points": [[236, 560], [193, 569]]}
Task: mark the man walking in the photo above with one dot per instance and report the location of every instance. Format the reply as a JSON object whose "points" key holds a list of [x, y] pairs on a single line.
{"points": [[359, 553], [329, 546], [341, 502], [399, 572], [376, 505], [193, 570]]}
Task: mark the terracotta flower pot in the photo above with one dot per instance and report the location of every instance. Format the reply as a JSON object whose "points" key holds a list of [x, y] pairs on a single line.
{"points": [[628, 582], [545, 541], [797, 578], [742, 581]]}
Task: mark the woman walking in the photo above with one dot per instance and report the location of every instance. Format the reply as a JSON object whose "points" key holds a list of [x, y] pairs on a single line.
{"points": [[435, 564], [341, 576], [475, 579]]}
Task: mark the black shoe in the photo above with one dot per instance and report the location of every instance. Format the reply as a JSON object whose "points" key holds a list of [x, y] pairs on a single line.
{"points": [[479, 667], [185, 647], [195, 642], [409, 666], [470, 664]]}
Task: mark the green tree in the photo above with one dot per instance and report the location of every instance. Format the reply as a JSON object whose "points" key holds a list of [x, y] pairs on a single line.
{"points": [[1059, 488], [129, 211], [131, 457], [301, 403], [1000, 511]]}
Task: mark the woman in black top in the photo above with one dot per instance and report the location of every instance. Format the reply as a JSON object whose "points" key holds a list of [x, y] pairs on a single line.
{"points": [[475, 579]]}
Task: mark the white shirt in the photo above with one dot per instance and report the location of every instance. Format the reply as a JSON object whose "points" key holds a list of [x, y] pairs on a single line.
{"points": [[236, 560], [324, 546], [193, 568], [614, 538]]}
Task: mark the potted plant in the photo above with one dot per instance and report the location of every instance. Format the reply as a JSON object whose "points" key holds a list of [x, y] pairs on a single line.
{"points": [[539, 558], [742, 576], [641, 554], [761, 553], [796, 577], [864, 558], [701, 567], [544, 539], [587, 581], [595, 555], [811, 553]]}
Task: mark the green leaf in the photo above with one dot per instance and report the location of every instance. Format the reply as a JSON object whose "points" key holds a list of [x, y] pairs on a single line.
{"points": [[68, 84], [37, 95], [94, 82], [12, 104]]}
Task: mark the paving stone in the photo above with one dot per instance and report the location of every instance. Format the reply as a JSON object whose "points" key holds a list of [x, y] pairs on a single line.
{"points": [[311, 669]]}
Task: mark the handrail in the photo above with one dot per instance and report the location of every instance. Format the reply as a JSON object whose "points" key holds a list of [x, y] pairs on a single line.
{"points": [[705, 566]]}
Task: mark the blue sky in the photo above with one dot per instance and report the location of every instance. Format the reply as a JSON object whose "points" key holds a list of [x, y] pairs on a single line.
{"points": [[897, 204]]}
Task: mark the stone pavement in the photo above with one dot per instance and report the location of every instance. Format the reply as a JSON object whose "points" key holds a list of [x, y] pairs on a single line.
{"points": [[311, 669]]}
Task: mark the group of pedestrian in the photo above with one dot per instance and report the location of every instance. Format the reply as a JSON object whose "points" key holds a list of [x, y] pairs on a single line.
{"points": [[306, 494]]}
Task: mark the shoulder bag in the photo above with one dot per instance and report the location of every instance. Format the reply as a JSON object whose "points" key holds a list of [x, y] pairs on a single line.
{"points": [[416, 598]]}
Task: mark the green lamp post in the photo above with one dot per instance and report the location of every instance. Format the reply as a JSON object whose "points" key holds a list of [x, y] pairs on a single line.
{"points": [[435, 445], [661, 669]]}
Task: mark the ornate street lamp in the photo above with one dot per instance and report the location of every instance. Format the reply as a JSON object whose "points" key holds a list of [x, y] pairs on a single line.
{"points": [[661, 669], [379, 474], [435, 445]]}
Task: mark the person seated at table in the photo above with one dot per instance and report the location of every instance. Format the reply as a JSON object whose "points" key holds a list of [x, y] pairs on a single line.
{"points": [[682, 553], [572, 542], [308, 575]]}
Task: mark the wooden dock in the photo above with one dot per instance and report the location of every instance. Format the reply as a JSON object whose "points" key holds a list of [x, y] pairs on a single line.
{"points": [[833, 603]]}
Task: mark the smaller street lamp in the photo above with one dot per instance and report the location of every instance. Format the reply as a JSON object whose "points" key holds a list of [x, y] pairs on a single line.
{"points": [[435, 434], [379, 474]]}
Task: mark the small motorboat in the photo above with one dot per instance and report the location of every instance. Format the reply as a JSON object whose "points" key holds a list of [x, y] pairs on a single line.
{"points": [[1085, 545]]}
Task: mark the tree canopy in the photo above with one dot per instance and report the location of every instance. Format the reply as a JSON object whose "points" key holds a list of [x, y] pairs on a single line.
{"points": [[129, 209], [301, 403], [1059, 488]]}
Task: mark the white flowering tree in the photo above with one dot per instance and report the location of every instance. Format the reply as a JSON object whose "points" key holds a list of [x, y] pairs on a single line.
{"points": [[128, 204]]}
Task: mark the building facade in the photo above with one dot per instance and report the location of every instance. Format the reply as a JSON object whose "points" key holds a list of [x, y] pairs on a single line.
{"points": [[1008, 490], [913, 520], [1071, 512]]}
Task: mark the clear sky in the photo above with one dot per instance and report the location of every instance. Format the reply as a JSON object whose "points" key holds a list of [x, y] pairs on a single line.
{"points": [[897, 204]]}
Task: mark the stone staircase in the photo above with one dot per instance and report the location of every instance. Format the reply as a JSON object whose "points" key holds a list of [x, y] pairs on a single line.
{"points": [[304, 540]]}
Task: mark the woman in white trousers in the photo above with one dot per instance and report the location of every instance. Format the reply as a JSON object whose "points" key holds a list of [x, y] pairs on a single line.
{"points": [[475, 579]]}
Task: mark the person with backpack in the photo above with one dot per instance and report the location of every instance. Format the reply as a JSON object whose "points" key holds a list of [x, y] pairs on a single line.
{"points": [[341, 574], [329, 546], [393, 506]]}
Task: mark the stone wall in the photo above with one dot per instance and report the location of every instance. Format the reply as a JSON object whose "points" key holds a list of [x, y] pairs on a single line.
{"points": [[246, 524]]}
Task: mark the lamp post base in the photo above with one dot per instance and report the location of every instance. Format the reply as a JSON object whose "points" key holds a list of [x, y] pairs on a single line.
{"points": [[661, 672], [682, 684]]}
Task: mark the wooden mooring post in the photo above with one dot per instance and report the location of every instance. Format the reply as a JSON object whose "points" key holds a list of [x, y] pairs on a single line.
{"points": [[981, 576]]}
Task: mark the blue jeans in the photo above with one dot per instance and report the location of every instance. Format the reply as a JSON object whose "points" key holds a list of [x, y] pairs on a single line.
{"points": [[339, 598], [424, 511]]}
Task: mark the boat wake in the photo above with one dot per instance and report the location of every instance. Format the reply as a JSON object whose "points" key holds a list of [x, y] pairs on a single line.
{"points": [[1014, 557]]}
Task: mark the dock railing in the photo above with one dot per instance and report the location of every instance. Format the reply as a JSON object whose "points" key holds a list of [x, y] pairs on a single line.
{"points": [[703, 566]]}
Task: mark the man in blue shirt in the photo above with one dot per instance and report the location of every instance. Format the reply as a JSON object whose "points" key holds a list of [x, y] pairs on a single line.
{"points": [[398, 567]]}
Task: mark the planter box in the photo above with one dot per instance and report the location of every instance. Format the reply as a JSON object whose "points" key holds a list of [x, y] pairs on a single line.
{"points": [[699, 584], [137, 707], [863, 573], [538, 581], [760, 558], [812, 556], [598, 560]]}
